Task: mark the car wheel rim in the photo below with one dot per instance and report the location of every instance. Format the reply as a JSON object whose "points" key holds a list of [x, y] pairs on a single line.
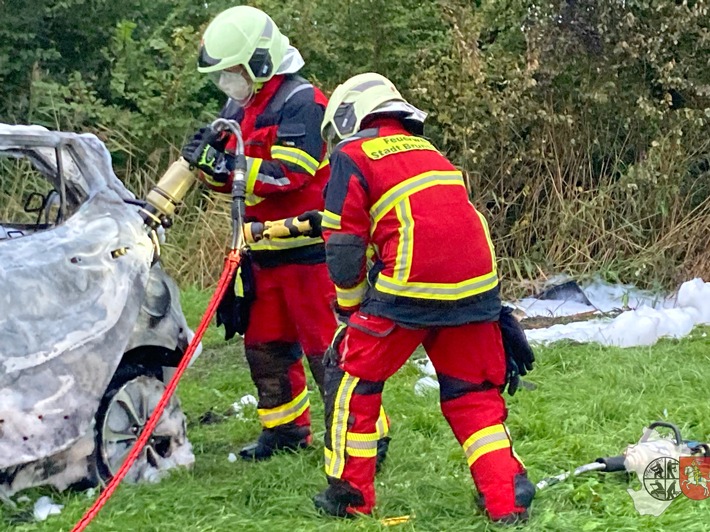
{"points": [[126, 415]]}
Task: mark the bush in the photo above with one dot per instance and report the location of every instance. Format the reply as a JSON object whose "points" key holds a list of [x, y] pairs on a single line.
{"points": [[582, 125]]}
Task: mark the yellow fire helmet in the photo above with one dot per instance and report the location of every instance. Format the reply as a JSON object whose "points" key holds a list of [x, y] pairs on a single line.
{"points": [[361, 96]]}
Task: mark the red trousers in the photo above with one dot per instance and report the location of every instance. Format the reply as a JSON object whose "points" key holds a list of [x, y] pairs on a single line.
{"points": [[470, 365], [290, 316]]}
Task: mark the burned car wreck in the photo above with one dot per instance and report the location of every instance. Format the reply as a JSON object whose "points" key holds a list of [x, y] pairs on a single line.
{"points": [[90, 324]]}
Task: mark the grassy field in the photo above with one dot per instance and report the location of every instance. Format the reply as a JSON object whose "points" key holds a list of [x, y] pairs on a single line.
{"points": [[589, 401]]}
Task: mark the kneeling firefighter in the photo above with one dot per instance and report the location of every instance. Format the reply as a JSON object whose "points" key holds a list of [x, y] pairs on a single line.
{"points": [[291, 296], [432, 280]]}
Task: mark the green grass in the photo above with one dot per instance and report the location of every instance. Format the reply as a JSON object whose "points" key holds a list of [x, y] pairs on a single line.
{"points": [[590, 401]]}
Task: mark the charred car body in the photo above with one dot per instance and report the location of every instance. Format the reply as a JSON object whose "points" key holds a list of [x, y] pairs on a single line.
{"points": [[90, 324]]}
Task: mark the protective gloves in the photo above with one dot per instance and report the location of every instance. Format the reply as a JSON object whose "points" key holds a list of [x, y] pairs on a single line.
{"points": [[234, 308], [206, 151], [314, 218], [518, 353]]}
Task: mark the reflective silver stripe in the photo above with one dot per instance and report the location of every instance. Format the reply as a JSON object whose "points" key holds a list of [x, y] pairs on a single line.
{"points": [[368, 85], [340, 423], [268, 30], [330, 220], [361, 444], [382, 426], [403, 266], [484, 441], [394, 195], [295, 156], [452, 291], [349, 297], [301, 87], [269, 180]]}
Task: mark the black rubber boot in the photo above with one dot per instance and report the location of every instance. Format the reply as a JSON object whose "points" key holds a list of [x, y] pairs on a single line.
{"points": [[524, 493], [513, 519], [286, 438], [337, 498], [382, 445]]}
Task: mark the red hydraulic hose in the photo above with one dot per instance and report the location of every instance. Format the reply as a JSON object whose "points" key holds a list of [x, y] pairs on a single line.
{"points": [[230, 265]]}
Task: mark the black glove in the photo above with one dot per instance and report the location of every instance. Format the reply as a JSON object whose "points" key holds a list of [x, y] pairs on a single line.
{"points": [[206, 151], [235, 306], [332, 354], [314, 218], [518, 353]]}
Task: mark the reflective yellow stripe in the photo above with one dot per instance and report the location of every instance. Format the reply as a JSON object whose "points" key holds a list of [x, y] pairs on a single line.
{"points": [[330, 220], [512, 448], [328, 459], [349, 297], [365, 445], [442, 291], [383, 426], [485, 441], [324, 163], [484, 223], [273, 417], [285, 243], [295, 156], [211, 181], [398, 284], [363, 440], [253, 199], [411, 186], [253, 166], [339, 428], [238, 284], [405, 247]]}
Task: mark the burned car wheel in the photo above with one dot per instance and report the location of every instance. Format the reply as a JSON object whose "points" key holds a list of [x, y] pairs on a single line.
{"points": [[132, 396]]}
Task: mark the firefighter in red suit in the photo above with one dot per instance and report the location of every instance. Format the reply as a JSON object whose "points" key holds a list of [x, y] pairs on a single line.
{"points": [[280, 115], [413, 263]]}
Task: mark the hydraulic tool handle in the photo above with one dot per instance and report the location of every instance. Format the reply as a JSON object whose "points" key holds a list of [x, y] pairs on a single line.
{"points": [[239, 186], [286, 228], [238, 180], [666, 424], [612, 464]]}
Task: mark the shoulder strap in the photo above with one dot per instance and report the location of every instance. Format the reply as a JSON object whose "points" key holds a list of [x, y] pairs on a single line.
{"points": [[291, 86]]}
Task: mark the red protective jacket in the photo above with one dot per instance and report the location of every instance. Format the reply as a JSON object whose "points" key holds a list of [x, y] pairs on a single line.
{"points": [[286, 174], [433, 262]]}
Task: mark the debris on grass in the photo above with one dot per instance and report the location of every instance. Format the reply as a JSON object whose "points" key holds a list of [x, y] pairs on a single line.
{"points": [[643, 322], [244, 404], [44, 507], [426, 385]]}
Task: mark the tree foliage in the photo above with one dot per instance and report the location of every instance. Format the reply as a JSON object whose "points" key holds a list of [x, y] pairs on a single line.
{"points": [[583, 125]]}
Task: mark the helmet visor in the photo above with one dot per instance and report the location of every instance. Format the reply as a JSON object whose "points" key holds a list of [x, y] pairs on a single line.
{"points": [[331, 138]]}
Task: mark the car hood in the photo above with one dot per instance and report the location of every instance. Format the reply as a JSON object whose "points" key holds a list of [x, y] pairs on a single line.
{"points": [[69, 298]]}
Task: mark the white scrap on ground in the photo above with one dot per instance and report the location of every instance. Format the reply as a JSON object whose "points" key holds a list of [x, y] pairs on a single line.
{"points": [[44, 507], [650, 318], [245, 403]]}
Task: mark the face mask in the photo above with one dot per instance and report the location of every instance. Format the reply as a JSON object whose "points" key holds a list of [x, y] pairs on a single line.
{"points": [[234, 85]]}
